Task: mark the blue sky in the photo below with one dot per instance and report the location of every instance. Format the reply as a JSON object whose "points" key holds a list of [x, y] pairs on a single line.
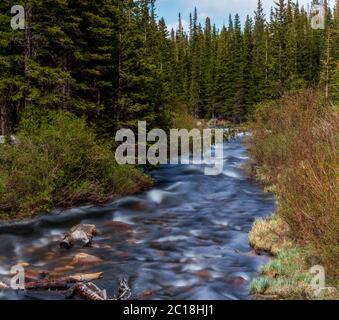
{"points": [[217, 10]]}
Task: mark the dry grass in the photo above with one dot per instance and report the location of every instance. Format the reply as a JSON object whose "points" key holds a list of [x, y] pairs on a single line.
{"points": [[295, 147], [270, 235]]}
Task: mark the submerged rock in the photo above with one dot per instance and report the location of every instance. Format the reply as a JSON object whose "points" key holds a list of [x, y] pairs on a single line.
{"points": [[119, 227], [81, 235], [85, 259]]}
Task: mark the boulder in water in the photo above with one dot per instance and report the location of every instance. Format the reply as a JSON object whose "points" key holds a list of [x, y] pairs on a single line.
{"points": [[81, 235]]}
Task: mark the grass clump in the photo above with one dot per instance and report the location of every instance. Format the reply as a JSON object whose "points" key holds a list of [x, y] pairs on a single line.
{"points": [[270, 235], [288, 277], [59, 162]]}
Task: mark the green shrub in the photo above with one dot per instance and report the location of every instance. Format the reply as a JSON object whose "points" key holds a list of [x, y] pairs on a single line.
{"points": [[58, 162]]}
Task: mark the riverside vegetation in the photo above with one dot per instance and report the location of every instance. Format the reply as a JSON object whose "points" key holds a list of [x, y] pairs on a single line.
{"points": [[58, 161], [295, 149], [81, 70]]}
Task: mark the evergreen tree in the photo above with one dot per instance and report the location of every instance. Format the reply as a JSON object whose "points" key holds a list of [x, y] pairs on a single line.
{"points": [[115, 63], [259, 55]]}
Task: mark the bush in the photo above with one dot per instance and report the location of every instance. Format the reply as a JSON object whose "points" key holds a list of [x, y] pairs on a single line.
{"points": [[58, 162], [295, 145]]}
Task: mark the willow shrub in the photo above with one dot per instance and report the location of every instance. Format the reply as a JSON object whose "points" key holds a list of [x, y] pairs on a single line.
{"points": [[58, 162], [295, 146]]}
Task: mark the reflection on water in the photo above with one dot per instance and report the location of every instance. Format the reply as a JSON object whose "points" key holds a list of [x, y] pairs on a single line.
{"points": [[185, 239]]}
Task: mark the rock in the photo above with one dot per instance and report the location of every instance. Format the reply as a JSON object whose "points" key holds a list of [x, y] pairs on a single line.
{"points": [[237, 281], [203, 274], [252, 253], [101, 246], [118, 226], [62, 270], [147, 293], [121, 229], [81, 235], [175, 291], [49, 256], [84, 259], [23, 264]]}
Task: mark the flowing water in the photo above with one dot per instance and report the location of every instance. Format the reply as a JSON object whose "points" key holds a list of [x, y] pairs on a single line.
{"points": [[187, 238]]}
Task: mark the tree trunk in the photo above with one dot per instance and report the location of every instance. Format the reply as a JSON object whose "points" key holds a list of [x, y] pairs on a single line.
{"points": [[28, 46]]}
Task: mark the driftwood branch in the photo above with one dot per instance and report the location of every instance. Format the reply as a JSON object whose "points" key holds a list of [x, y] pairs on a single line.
{"points": [[76, 285], [90, 291], [56, 284], [124, 291], [61, 283]]}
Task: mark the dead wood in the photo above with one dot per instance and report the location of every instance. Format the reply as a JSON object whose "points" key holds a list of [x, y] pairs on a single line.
{"points": [[61, 283]]}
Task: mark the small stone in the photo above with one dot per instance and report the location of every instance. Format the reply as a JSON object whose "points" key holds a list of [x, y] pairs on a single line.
{"points": [[23, 264], [147, 293], [84, 258], [237, 281], [62, 270], [118, 226], [203, 274]]}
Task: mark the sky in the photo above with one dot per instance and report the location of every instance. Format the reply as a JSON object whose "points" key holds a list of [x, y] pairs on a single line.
{"points": [[217, 10]]}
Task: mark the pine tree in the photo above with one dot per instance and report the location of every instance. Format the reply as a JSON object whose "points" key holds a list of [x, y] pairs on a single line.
{"points": [[195, 85], [259, 55], [12, 78], [115, 63], [248, 71]]}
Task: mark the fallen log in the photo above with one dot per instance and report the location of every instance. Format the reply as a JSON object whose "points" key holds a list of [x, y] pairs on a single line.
{"points": [[61, 283], [58, 284], [87, 277], [76, 284]]}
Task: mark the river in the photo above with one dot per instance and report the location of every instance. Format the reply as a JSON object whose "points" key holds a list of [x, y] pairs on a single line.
{"points": [[187, 238]]}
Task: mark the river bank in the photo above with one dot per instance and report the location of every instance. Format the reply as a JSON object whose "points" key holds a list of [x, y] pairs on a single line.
{"points": [[294, 153], [59, 161]]}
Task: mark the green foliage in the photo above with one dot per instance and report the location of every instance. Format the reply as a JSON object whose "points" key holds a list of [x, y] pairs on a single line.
{"points": [[259, 285], [57, 162], [105, 60], [287, 276], [228, 71], [115, 63]]}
